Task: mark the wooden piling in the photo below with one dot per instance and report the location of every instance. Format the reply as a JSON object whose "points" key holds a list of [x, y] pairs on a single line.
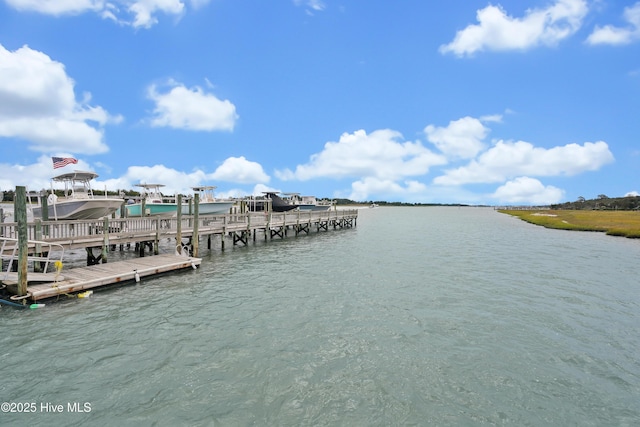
{"points": [[20, 214], [179, 226], [105, 241], [45, 207], [196, 212]]}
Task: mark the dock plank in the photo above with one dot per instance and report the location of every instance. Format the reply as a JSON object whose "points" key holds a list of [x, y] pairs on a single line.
{"points": [[90, 277]]}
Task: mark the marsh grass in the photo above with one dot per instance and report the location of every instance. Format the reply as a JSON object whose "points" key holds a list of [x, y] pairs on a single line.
{"points": [[615, 223]]}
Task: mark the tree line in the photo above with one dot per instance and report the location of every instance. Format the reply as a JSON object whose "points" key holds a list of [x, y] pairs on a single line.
{"points": [[602, 202]]}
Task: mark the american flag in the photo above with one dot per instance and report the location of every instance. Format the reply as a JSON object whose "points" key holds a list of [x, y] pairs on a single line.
{"points": [[59, 162]]}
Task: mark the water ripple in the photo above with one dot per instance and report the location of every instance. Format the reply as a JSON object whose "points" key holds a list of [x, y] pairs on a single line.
{"points": [[417, 316]]}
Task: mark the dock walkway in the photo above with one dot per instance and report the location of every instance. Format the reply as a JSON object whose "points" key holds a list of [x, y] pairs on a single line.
{"points": [[80, 279]]}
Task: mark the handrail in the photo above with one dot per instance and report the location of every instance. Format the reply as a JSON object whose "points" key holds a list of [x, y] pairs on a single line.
{"points": [[77, 233], [9, 249]]}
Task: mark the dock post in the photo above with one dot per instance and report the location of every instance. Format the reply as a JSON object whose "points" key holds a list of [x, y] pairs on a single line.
{"points": [[179, 225], [37, 266], [268, 229], [224, 231], [20, 212], [45, 207], [156, 242], [196, 223], [247, 214], [105, 240]]}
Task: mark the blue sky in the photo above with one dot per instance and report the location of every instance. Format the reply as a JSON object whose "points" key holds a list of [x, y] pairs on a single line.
{"points": [[468, 101]]}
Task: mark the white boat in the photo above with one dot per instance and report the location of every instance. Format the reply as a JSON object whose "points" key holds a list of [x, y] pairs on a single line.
{"points": [[308, 203], [78, 201], [154, 203], [208, 204]]}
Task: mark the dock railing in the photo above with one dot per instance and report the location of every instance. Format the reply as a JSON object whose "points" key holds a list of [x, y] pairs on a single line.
{"points": [[41, 255], [84, 233]]}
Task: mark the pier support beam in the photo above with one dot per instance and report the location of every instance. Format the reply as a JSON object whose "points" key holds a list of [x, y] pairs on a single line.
{"points": [[241, 236], [303, 227], [277, 231], [92, 259]]}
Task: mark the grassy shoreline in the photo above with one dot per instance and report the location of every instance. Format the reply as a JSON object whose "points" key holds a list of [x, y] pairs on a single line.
{"points": [[613, 223]]}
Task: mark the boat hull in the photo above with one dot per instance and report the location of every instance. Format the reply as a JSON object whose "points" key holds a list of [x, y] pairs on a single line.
{"points": [[210, 208], [152, 209], [80, 209]]}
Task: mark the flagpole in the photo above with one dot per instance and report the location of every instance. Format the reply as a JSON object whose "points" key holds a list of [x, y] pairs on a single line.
{"points": [[53, 202]]}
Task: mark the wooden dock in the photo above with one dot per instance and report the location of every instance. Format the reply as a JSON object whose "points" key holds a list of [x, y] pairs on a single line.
{"points": [[31, 243], [119, 231], [85, 278]]}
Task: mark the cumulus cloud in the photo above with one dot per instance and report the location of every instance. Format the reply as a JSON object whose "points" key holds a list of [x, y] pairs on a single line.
{"points": [[234, 169], [57, 7], [240, 170], [136, 13], [191, 109], [463, 138], [525, 190], [508, 159], [497, 31], [38, 104], [619, 35], [35, 176], [380, 155], [384, 189]]}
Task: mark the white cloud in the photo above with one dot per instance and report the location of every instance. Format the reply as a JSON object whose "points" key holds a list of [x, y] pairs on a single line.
{"points": [[311, 5], [461, 139], [496, 31], [36, 176], [144, 11], [58, 7], [174, 181], [240, 170], [632, 194], [191, 109], [525, 190], [236, 170], [136, 13], [378, 155], [617, 35], [510, 159], [386, 189], [38, 104]]}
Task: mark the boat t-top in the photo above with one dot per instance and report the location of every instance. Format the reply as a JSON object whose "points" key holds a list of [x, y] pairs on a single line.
{"points": [[208, 204], [153, 201], [78, 201]]}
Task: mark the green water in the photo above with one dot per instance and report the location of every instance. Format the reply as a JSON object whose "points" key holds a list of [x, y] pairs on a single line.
{"points": [[416, 316]]}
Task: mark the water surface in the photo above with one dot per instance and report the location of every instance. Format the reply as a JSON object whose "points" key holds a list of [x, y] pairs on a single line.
{"points": [[416, 316]]}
